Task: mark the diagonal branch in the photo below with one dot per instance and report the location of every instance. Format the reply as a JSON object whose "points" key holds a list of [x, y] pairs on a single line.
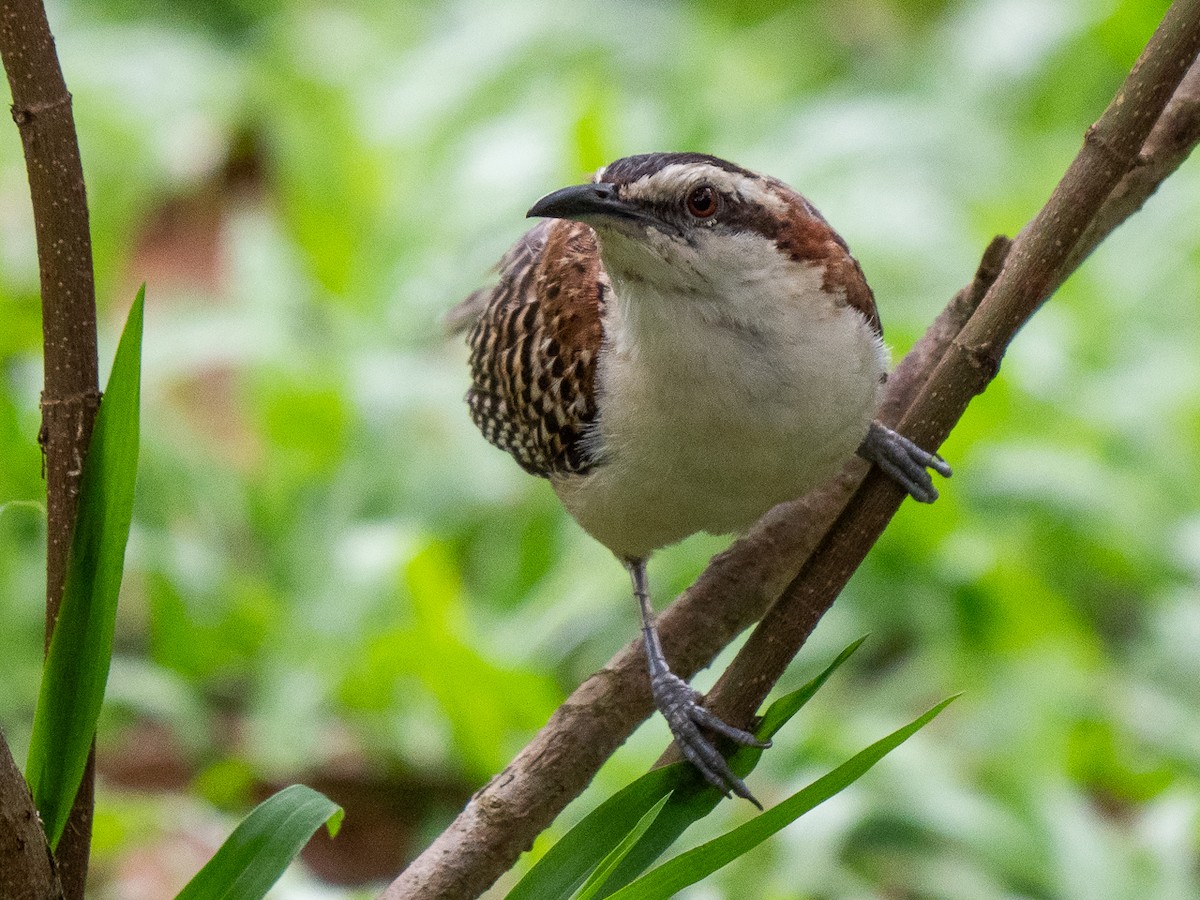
{"points": [[503, 818], [1107, 182], [1170, 142], [42, 110]]}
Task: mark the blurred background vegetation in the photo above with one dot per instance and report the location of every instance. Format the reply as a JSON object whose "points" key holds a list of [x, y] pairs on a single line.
{"points": [[333, 579]]}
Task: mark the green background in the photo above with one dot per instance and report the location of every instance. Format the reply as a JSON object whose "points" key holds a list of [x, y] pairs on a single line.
{"points": [[333, 579]]}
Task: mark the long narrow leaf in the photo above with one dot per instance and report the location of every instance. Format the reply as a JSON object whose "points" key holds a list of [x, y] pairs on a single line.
{"points": [[692, 866], [610, 862], [698, 798], [76, 669], [779, 712], [568, 862], [565, 865], [264, 845]]}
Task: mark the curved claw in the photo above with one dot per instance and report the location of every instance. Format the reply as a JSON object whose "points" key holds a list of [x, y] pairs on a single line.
{"points": [[680, 706], [903, 461]]}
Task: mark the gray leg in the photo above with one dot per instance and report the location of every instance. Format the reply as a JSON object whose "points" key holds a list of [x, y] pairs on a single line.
{"points": [[680, 705], [903, 461]]}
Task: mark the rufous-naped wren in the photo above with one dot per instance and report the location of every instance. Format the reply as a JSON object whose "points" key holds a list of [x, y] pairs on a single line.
{"points": [[680, 346]]}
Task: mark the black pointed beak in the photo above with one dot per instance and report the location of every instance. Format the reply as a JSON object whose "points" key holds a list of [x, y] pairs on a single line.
{"points": [[584, 203]]}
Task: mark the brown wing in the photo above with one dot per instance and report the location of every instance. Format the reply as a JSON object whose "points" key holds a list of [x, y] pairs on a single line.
{"points": [[534, 348], [805, 235], [801, 232]]}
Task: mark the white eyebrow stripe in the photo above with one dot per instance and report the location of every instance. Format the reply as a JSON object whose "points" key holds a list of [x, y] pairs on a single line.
{"points": [[673, 180]]}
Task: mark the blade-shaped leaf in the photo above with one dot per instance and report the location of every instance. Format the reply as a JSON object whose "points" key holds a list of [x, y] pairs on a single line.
{"points": [[610, 862], [76, 670], [779, 712], [565, 865], [693, 865], [697, 799], [264, 845]]}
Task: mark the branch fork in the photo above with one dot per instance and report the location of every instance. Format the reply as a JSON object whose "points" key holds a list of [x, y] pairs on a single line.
{"points": [[824, 536]]}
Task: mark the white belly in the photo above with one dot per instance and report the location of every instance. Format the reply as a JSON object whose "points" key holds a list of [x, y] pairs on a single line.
{"points": [[707, 420]]}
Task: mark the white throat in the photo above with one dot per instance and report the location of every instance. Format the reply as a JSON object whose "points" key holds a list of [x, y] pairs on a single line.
{"points": [[733, 381]]}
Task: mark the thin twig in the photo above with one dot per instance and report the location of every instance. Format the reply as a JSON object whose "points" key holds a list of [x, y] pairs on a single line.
{"points": [[1170, 142], [42, 110], [503, 818], [1038, 262]]}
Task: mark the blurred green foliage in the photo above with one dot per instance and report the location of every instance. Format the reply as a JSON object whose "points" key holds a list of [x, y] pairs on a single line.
{"points": [[332, 578]]}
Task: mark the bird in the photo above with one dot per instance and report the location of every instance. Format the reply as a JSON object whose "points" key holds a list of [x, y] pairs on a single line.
{"points": [[678, 346]]}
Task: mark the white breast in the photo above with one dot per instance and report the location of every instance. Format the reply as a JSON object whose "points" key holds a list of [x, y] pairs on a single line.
{"points": [[714, 410]]}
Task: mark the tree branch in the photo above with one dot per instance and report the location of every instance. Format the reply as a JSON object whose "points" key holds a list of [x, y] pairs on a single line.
{"points": [[26, 866], [1042, 256], [42, 110], [1170, 142], [933, 384]]}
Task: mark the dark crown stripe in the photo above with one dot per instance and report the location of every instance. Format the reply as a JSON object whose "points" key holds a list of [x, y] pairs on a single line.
{"points": [[632, 168]]}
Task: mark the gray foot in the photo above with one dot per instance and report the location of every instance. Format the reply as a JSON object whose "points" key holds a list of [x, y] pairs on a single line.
{"points": [[680, 706], [903, 461]]}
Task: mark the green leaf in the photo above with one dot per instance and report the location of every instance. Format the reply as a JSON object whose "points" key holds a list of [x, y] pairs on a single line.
{"points": [[700, 862], [695, 801], [778, 714], [76, 669], [568, 862], [264, 845], [565, 865], [600, 874]]}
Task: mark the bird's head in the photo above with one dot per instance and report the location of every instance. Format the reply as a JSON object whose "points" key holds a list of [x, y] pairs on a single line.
{"points": [[687, 223]]}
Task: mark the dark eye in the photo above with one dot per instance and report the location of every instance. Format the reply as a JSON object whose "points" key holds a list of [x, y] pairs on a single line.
{"points": [[702, 201]]}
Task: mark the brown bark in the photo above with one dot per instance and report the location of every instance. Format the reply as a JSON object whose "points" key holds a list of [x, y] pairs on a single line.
{"points": [[42, 110], [26, 866], [933, 384], [1097, 191]]}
